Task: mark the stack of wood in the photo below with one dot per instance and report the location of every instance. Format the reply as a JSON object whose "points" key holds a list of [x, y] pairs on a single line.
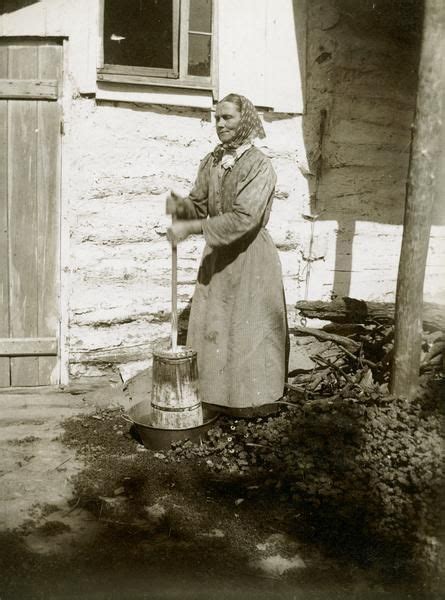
{"points": [[353, 353]]}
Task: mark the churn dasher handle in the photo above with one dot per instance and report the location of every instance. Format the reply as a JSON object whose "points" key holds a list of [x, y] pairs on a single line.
{"points": [[174, 308]]}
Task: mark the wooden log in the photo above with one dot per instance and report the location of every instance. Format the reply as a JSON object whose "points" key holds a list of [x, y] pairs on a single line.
{"points": [[351, 310], [114, 354], [421, 191], [323, 336]]}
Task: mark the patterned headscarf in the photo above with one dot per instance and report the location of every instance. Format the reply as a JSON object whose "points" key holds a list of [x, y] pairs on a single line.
{"points": [[249, 127]]}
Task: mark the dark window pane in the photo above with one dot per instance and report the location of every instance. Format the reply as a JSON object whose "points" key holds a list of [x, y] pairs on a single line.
{"points": [[200, 15], [199, 55], [139, 33]]}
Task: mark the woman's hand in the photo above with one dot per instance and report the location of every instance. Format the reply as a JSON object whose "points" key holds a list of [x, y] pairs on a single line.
{"points": [[175, 205], [180, 230]]}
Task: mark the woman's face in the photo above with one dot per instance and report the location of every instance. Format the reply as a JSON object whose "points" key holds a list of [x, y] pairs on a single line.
{"points": [[227, 118]]}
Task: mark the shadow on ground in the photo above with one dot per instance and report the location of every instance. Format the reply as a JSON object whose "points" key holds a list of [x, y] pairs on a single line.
{"points": [[138, 524]]}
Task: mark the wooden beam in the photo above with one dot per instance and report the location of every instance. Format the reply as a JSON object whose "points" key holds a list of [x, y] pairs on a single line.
{"points": [[28, 347], [111, 77], [29, 89], [141, 71], [419, 203], [351, 310]]}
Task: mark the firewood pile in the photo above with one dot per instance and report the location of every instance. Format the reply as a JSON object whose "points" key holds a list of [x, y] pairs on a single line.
{"points": [[352, 354]]}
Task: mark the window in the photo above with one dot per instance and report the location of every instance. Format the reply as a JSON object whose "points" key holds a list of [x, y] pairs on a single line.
{"points": [[160, 42]]}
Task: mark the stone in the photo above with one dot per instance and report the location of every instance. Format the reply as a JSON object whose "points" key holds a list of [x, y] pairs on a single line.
{"points": [[299, 358], [214, 533], [156, 512], [278, 565]]}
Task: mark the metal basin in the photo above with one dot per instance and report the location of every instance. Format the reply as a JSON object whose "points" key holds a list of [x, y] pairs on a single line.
{"points": [[155, 438]]}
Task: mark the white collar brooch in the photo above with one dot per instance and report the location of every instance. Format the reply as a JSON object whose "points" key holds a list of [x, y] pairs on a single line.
{"points": [[228, 160]]}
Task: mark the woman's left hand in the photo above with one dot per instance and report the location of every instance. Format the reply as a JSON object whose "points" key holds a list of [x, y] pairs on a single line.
{"points": [[179, 231]]}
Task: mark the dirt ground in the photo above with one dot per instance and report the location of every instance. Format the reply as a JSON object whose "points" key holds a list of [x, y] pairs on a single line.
{"points": [[87, 512]]}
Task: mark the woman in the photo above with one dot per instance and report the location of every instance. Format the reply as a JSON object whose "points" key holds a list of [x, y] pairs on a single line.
{"points": [[238, 317]]}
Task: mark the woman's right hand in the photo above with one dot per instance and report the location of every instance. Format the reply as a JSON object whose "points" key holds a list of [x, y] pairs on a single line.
{"points": [[175, 205]]}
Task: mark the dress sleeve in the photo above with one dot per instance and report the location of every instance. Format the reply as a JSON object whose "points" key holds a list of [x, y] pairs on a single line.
{"points": [[253, 192], [196, 203]]}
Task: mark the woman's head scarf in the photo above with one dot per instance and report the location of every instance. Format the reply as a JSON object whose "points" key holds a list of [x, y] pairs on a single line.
{"points": [[250, 125], [249, 128]]}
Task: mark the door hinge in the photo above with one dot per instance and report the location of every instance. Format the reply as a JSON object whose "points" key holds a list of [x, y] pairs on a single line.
{"points": [[62, 127]]}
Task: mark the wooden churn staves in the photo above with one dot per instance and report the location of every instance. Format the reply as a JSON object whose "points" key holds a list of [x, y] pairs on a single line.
{"points": [[175, 389]]}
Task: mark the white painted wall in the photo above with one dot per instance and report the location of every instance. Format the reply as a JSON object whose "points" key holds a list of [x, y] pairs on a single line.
{"points": [[76, 20], [258, 54]]}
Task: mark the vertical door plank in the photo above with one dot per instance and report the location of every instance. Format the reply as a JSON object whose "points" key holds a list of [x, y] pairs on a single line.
{"points": [[4, 252], [23, 215], [48, 207]]}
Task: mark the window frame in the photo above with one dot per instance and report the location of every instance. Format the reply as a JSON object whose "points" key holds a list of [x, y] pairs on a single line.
{"points": [[178, 77]]}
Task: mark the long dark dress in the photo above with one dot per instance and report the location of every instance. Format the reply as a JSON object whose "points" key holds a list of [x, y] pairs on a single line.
{"points": [[238, 316]]}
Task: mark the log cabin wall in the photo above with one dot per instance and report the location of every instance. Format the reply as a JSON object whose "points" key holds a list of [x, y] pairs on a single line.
{"points": [[120, 158], [361, 90]]}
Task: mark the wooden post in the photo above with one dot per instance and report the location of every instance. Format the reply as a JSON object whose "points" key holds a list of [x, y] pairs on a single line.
{"points": [[419, 203]]}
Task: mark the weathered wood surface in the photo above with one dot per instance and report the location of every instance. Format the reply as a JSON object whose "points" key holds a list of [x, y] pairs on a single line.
{"points": [[351, 310], [175, 398], [174, 308], [48, 210], [4, 267], [29, 89], [28, 347], [30, 216], [324, 336], [22, 183], [419, 203], [115, 354]]}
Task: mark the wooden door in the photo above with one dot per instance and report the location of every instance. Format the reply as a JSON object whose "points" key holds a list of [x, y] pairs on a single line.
{"points": [[30, 156]]}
